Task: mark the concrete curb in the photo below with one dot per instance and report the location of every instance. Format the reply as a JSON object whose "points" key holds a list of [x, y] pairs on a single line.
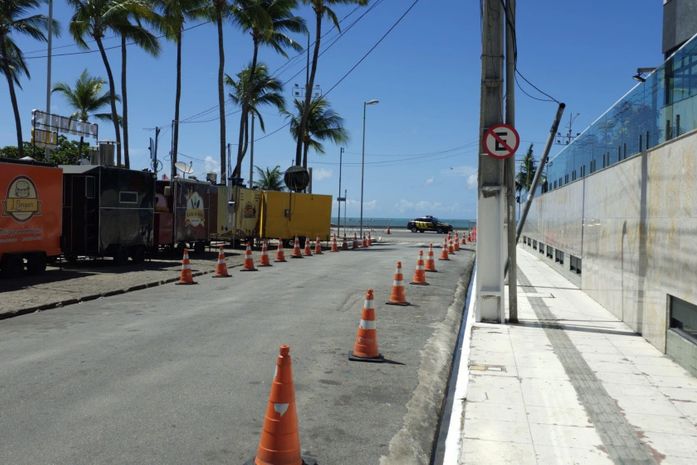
{"points": [[88, 297]]}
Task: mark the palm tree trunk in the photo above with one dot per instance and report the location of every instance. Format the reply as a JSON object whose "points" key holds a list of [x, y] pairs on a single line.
{"points": [[306, 147], [244, 116], [112, 99], [177, 99], [310, 85], [79, 148], [221, 89], [13, 98], [124, 100]]}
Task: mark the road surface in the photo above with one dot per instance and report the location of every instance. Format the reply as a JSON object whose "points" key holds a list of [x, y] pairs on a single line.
{"points": [[181, 374]]}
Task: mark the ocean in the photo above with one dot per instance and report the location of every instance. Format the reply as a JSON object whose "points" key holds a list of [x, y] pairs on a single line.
{"points": [[398, 222]]}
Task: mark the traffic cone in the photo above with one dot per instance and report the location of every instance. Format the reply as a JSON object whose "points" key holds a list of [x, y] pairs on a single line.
{"points": [[365, 242], [185, 277], [307, 252], [296, 249], [365, 349], [389, 231], [318, 247], [419, 273], [279, 442], [221, 266], [355, 241], [280, 255], [335, 247], [264, 259], [344, 244], [398, 295], [248, 259], [464, 238], [456, 242], [431, 263], [451, 249], [444, 251]]}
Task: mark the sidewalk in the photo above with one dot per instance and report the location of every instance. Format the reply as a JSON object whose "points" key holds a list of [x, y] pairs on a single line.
{"points": [[570, 384]]}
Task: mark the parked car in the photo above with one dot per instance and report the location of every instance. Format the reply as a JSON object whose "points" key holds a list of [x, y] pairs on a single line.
{"points": [[428, 223]]}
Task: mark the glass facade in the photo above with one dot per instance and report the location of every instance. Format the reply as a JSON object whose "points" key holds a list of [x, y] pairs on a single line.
{"points": [[653, 112]]}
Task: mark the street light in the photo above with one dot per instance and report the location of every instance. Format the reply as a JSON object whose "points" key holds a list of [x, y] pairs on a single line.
{"points": [[365, 104]]}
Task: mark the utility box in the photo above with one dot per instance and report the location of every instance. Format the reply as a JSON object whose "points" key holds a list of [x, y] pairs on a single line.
{"points": [[286, 215]]}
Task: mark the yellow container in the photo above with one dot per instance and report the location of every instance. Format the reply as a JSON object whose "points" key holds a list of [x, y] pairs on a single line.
{"points": [[285, 215]]}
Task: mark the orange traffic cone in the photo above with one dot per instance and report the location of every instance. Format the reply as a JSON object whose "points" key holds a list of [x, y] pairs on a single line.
{"points": [[318, 247], [431, 263], [365, 348], [398, 295], [221, 266], [451, 249], [464, 239], [296, 249], [456, 242], [420, 274], [389, 231], [335, 247], [307, 252], [264, 259], [185, 277], [248, 259], [365, 242], [444, 251], [279, 443], [280, 255], [370, 240]]}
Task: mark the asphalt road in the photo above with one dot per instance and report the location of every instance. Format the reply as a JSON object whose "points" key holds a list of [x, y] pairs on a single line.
{"points": [[181, 374]]}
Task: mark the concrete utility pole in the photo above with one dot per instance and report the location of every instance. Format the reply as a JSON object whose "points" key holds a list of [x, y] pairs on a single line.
{"points": [[510, 163], [48, 63], [338, 199], [490, 202]]}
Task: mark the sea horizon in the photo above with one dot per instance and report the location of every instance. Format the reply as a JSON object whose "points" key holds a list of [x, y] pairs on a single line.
{"points": [[377, 222]]}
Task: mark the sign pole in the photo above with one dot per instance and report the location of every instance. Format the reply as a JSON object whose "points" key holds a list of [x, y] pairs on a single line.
{"points": [[510, 164]]}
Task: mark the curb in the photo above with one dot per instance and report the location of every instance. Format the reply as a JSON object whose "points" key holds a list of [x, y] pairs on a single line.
{"points": [[89, 297]]}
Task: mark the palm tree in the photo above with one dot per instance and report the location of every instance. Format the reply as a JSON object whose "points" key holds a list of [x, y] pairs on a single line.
{"points": [[138, 34], [323, 123], [93, 18], [523, 180], [321, 8], [269, 179], [172, 16], [267, 22], [254, 92], [86, 98], [12, 20]]}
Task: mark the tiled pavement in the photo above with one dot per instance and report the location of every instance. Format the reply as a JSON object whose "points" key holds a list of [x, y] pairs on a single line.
{"points": [[570, 384]]}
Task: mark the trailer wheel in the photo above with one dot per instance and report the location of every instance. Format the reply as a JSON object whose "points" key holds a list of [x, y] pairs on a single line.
{"points": [[11, 265], [120, 256], [36, 263], [138, 254]]}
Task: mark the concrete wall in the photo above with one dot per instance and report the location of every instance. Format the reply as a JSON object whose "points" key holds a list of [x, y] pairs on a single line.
{"points": [[634, 225]]}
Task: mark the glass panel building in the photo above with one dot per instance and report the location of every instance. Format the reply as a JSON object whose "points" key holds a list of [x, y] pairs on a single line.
{"points": [[653, 112]]}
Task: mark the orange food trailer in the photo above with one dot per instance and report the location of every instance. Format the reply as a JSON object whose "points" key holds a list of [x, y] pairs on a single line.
{"points": [[31, 195]]}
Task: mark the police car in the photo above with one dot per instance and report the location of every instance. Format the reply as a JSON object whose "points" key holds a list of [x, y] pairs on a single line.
{"points": [[428, 223]]}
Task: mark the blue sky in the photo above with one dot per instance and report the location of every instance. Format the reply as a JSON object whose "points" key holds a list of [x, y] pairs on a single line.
{"points": [[421, 139]]}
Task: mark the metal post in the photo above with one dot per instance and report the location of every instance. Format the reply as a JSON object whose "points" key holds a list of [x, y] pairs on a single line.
{"points": [[510, 163], [365, 104], [228, 182], [172, 155], [490, 202], [540, 169], [251, 156], [49, 56], [338, 199], [345, 210]]}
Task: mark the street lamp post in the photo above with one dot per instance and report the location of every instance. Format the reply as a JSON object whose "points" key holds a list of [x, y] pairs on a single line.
{"points": [[365, 104]]}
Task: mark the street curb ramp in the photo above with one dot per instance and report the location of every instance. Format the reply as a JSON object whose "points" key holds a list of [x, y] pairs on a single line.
{"points": [[413, 443]]}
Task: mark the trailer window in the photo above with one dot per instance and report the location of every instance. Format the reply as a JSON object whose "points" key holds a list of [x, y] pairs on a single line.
{"points": [[89, 187], [128, 197]]}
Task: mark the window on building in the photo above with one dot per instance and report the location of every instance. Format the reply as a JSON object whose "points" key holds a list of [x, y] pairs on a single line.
{"points": [[128, 197], [542, 248], [534, 244], [683, 317], [575, 264], [566, 179], [559, 257], [550, 252]]}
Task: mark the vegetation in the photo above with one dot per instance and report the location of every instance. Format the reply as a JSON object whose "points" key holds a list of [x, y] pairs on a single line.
{"points": [[68, 152], [13, 21], [252, 93], [322, 124], [526, 174], [269, 179], [321, 8]]}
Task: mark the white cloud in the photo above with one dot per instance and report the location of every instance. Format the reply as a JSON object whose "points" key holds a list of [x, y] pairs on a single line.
{"points": [[321, 173], [211, 164], [429, 181], [472, 181]]}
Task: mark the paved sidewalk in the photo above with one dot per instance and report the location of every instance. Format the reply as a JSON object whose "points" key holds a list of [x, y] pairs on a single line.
{"points": [[570, 384]]}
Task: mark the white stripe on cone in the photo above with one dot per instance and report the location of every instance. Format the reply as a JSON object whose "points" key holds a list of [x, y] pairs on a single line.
{"points": [[367, 324]]}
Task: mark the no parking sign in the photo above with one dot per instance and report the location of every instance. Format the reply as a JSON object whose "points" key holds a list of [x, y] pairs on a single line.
{"points": [[501, 141]]}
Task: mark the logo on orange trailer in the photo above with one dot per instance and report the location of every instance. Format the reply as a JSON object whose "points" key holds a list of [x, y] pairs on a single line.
{"points": [[22, 200]]}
